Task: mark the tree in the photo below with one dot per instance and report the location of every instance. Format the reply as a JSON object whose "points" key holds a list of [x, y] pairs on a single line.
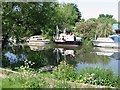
{"points": [[69, 14], [20, 19], [23, 19], [102, 26], [17, 22], [105, 16], [87, 28]]}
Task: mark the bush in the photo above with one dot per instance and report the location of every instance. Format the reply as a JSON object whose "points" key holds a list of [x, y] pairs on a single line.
{"points": [[64, 72], [24, 82], [97, 76], [35, 83], [62, 84], [27, 79]]}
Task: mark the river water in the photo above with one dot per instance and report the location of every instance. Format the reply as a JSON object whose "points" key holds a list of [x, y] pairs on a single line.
{"points": [[51, 55]]}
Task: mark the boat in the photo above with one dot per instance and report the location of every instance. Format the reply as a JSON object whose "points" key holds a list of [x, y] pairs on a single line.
{"points": [[37, 40], [112, 41], [67, 38]]}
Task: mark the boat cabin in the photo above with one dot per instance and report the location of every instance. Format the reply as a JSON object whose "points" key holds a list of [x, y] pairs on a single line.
{"points": [[115, 38]]}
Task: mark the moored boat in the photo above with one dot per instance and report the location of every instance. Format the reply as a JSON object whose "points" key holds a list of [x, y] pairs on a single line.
{"points": [[67, 38], [111, 41], [37, 40]]}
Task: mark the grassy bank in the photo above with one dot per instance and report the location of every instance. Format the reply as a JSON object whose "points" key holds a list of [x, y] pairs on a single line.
{"points": [[63, 76]]}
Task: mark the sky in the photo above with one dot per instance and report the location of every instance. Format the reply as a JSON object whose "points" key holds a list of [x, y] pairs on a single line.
{"points": [[92, 8]]}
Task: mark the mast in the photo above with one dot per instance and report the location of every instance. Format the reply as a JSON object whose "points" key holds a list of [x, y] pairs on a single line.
{"points": [[57, 32]]}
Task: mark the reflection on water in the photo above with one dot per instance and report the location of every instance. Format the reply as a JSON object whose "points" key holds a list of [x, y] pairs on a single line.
{"points": [[113, 53], [14, 58], [106, 57], [51, 55]]}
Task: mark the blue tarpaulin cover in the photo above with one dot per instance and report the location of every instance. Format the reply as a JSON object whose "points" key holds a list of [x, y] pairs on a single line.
{"points": [[116, 38]]}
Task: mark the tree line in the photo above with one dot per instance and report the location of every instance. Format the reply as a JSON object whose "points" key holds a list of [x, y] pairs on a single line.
{"points": [[93, 28], [24, 19]]}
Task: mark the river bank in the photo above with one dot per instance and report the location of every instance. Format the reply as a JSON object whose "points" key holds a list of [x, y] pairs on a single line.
{"points": [[27, 79], [51, 81], [79, 66]]}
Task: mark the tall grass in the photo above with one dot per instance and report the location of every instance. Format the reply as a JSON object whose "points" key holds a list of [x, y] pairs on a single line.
{"points": [[64, 72], [98, 76], [95, 76]]}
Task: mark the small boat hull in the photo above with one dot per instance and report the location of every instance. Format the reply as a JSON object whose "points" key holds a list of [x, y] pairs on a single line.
{"points": [[38, 42], [106, 44], [69, 43], [110, 41]]}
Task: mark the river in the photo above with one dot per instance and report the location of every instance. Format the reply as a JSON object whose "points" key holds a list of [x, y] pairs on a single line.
{"points": [[51, 55]]}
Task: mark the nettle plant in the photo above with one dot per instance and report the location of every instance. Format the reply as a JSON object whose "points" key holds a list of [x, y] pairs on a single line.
{"points": [[97, 76], [62, 84], [31, 77], [64, 71]]}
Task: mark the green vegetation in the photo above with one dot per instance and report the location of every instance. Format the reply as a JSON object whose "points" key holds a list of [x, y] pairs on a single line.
{"points": [[24, 81], [92, 28], [23, 19], [98, 76], [95, 76], [62, 84], [64, 73], [28, 78]]}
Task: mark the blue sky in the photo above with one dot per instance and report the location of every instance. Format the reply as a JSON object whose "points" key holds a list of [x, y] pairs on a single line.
{"points": [[92, 8]]}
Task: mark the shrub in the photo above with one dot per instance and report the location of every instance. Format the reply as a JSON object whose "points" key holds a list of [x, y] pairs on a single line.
{"points": [[27, 79], [64, 72], [35, 83], [104, 77], [62, 84]]}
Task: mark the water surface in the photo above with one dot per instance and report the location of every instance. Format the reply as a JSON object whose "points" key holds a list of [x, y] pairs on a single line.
{"points": [[51, 55]]}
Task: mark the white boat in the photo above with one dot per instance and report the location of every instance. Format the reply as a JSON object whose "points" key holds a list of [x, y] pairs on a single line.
{"points": [[37, 40], [67, 38], [111, 41]]}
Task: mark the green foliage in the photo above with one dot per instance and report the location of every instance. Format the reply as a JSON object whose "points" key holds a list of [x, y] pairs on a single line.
{"points": [[40, 58], [24, 81], [27, 79], [95, 76], [32, 79], [62, 84], [98, 76], [35, 83], [105, 16], [100, 27], [0, 83], [104, 27], [21, 19], [86, 28], [64, 71]]}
